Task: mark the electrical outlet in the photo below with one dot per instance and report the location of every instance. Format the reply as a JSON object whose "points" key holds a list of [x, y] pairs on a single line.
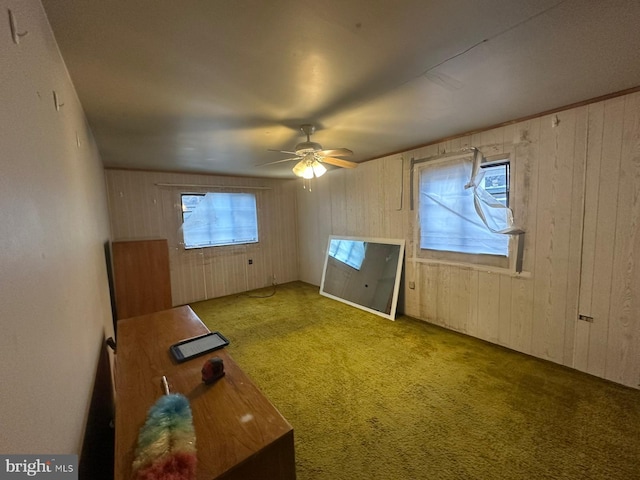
{"points": [[412, 285], [585, 318], [251, 261]]}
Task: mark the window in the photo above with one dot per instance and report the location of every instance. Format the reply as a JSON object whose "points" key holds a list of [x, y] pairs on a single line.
{"points": [[496, 180], [216, 219], [461, 214]]}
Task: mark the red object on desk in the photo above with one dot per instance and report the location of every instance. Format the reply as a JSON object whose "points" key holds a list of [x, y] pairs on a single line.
{"points": [[212, 370]]}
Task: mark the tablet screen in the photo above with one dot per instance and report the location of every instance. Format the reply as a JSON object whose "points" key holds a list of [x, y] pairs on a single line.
{"points": [[200, 345]]}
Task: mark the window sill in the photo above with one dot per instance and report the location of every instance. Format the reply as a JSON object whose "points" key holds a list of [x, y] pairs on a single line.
{"points": [[471, 266]]}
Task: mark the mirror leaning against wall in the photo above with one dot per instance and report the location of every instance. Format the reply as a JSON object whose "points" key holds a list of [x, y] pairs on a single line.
{"points": [[364, 272]]}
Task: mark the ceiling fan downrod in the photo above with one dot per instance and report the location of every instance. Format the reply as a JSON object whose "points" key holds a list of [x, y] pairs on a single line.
{"points": [[308, 146], [308, 130]]}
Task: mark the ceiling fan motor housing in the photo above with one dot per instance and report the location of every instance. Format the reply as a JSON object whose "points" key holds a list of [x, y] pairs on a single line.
{"points": [[307, 147]]}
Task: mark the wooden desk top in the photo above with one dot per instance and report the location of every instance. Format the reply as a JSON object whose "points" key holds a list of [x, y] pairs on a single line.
{"points": [[233, 420]]}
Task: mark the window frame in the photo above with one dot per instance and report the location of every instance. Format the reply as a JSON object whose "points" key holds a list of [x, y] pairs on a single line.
{"points": [[499, 163], [218, 246], [473, 260]]}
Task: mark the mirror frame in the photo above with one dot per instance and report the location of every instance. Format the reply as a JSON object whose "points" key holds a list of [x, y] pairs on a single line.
{"points": [[396, 288]]}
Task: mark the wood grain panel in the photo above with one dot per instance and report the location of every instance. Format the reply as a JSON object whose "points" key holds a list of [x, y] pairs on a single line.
{"points": [[488, 306], [187, 274], [459, 298], [337, 187], [280, 252], [553, 231], [310, 244], [409, 304], [623, 346], [354, 205], [473, 313], [140, 208], [225, 273], [259, 270], [589, 236], [504, 316], [491, 142], [455, 144], [520, 332], [391, 177], [576, 154], [603, 174], [524, 197], [443, 295], [324, 213], [372, 199], [428, 288]]}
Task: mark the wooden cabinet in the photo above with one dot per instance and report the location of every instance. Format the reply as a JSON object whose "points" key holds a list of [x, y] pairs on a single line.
{"points": [[141, 276]]}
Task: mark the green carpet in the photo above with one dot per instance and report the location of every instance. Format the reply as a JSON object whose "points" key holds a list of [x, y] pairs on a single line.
{"points": [[369, 398]]}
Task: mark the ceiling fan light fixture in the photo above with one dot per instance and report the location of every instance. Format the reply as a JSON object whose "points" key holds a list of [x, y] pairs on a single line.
{"points": [[309, 167], [300, 168], [308, 172], [318, 168]]}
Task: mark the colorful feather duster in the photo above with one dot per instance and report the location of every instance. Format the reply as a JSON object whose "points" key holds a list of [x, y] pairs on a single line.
{"points": [[167, 441]]}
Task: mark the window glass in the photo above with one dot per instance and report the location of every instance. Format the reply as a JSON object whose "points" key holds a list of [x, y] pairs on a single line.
{"points": [[216, 219], [496, 181]]}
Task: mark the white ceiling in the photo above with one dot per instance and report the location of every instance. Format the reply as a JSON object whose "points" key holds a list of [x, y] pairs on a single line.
{"points": [[209, 86]]}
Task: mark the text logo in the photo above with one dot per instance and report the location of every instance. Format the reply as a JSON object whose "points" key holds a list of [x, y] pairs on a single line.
{"points": [[49, 467]]}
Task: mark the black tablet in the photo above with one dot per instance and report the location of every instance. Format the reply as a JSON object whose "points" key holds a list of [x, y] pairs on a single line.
{"points": [[193, 347]]}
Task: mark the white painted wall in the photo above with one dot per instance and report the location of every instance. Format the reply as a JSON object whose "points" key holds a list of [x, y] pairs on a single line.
{"points": [[54, 297]]}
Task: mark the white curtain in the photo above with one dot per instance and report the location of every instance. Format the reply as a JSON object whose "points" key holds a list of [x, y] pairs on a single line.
{"points": [[222, 219], [458, 214]]}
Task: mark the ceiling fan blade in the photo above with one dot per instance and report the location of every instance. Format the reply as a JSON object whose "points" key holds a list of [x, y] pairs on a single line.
{"points": [[336, 152], [279, 161], [338, 162], [281, 151]]}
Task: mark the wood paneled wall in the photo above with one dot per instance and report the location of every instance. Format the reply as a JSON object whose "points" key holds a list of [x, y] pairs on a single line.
{"points": [[576, 192], [139, 208]]}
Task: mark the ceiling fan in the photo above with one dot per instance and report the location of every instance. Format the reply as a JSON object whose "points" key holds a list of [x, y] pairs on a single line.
{"points": [[311, 156]]}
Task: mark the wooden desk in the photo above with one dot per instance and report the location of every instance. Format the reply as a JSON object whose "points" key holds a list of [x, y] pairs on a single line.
{"points": [[239, 433]]}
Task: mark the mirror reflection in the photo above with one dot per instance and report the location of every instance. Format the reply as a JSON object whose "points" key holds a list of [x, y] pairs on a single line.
{"points": [[364, 273]]}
